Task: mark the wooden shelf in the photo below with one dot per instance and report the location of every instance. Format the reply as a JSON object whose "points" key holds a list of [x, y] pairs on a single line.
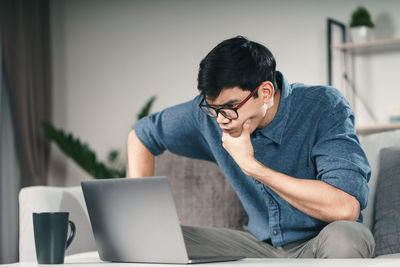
{"points": [[377, 128], [385, 44]]}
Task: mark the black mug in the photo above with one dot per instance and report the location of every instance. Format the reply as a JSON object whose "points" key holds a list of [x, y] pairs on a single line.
{"points": [[51, 229]]}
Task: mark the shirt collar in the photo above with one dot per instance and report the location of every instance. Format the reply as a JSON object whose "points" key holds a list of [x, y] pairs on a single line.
{"points": [[275, 129]]}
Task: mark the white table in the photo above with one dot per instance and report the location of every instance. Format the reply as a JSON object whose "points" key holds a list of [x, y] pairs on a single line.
{"points": [[92, 259]]}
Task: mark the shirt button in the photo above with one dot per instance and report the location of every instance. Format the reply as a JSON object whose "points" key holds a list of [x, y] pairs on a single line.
{"points": [[271, 202], [257, 182], [275, 232]]}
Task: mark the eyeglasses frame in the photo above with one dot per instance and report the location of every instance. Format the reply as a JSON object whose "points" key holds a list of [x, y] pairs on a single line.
{"points": [[217, 110]]}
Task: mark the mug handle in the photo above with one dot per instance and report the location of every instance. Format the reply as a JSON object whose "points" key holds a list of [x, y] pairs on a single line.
{"points": [[72, 234]]}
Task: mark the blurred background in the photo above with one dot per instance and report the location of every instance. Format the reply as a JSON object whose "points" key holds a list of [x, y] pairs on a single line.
{"points": [[107, 58]]}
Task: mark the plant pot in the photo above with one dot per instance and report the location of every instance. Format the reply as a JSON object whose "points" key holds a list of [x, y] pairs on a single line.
{"points": [[361, 34]]}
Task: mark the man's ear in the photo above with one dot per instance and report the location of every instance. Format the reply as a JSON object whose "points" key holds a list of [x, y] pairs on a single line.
{"points": [[267, 91]]}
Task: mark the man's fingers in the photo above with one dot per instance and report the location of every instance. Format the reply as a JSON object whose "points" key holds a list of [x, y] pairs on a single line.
{"points": [[246, 127], [223, 137]]}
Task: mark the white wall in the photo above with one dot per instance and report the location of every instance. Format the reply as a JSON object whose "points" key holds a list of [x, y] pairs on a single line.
{"points": [[109, 57]]}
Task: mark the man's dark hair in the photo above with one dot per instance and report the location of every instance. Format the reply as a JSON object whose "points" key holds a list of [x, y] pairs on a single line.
{"points": [[236, 62]]}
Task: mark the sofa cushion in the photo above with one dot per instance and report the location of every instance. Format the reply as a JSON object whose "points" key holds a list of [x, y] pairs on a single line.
{"points": [[202, 194], [372, 144], [387, 203]]}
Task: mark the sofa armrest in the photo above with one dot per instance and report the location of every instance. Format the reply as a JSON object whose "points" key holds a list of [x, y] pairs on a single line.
{"points": [[53, 199]]}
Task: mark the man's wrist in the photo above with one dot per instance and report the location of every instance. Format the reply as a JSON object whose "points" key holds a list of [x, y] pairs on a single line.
{"points": [[256, 169]]}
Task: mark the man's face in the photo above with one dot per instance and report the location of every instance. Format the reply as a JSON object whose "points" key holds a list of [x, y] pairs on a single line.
{"points": [[254, 110]]}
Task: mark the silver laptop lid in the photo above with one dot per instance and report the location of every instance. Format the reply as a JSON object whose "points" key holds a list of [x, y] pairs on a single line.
{"points": [[135, 220]]}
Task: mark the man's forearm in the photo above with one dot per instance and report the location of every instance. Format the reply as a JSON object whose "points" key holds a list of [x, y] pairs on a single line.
{"points": [[313, 197], [140, 159]]}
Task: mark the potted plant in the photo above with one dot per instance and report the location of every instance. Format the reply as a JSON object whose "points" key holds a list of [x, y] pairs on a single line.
{"points": [[361, 25], [84, 156]]}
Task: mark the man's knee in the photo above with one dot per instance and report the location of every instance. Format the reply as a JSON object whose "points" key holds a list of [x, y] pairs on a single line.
{"points": [[345, 239]]}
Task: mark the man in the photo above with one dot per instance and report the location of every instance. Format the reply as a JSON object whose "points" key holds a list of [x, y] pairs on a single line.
{"points": [[290, 153]]}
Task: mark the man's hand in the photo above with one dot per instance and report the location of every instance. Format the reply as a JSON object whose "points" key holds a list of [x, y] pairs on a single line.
{"points": [[240, 148]]}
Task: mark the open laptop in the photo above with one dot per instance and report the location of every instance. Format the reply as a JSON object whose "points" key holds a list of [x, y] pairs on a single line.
{"points": [[135, 220]]}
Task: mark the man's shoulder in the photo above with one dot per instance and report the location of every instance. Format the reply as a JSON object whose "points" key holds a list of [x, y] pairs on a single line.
{"points": [[192, 104], [320, 96], [189, 109], [189, 114]]}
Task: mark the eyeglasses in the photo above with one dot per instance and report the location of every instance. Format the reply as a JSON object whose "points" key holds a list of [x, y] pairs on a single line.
{"points": [[229, 113]]}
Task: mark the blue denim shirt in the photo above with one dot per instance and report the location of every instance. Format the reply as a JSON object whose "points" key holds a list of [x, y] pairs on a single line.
{"points": [[312, 136]]}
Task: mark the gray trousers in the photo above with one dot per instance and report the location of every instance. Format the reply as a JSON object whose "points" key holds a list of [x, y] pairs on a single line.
{"points": [[340, 239]]}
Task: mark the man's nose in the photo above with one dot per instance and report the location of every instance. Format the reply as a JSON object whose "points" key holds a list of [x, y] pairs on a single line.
{"points": [[222, 120]]}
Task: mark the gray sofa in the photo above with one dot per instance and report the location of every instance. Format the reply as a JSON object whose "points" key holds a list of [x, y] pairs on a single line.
{"points": [[204, 198]]}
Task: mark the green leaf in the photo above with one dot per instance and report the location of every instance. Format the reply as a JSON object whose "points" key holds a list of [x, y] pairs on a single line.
{"points": [[361, 17], [81, 153], [145, 111], [84, 156], [113, 156]]}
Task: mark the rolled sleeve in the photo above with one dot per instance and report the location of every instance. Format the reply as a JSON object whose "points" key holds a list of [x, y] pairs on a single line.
{"points": [[349, 181], [147, 134], [339, 158], [174, 129]]}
